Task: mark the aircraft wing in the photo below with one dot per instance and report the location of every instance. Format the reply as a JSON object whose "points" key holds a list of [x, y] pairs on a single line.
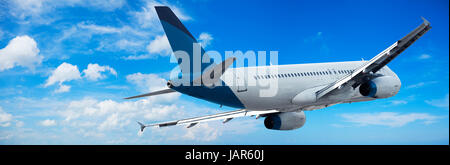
{"points": [[226, 116], [379, 61]]}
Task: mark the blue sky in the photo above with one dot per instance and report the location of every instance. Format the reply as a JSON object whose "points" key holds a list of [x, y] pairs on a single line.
{"points": [[65, 67]]}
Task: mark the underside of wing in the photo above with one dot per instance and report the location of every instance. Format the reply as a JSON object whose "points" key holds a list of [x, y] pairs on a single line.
{"points": [[226, 116]]}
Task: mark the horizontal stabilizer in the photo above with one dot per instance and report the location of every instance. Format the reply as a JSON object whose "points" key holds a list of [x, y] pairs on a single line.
{"points": [[142, 126], [164, 91], [213, 74]]}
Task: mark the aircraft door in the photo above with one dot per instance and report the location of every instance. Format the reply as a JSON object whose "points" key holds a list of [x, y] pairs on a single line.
{"points": [[241, 83]]}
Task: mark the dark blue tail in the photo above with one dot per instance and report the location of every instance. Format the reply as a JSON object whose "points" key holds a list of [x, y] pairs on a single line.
{"points": [[181, 39]]}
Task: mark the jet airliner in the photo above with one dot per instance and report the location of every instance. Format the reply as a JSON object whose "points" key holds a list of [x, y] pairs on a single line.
{"points": [[300, 87]]}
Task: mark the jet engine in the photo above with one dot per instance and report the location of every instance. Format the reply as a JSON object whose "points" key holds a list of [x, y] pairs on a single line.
{"points": [[380, 87], [285, 120]]}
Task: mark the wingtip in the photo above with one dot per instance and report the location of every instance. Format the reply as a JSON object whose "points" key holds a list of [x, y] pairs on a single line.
{"points": [[425, 21], [142, 126]]}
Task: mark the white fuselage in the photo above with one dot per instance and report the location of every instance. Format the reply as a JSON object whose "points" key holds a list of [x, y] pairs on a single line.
{"points": [[275, 86]]}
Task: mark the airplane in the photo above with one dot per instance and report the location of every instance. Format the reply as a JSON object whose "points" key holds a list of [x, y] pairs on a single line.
{"points": [[300, 87]]}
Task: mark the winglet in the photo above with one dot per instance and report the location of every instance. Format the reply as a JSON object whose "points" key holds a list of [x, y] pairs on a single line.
{"points": [[142, 126], [425, 21]]}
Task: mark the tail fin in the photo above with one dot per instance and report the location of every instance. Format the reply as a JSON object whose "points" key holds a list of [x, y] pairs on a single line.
{"points": [[181, 39]]}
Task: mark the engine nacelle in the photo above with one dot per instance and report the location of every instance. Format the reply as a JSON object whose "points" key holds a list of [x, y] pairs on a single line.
{"points": [[380, 87], [285, 120]]}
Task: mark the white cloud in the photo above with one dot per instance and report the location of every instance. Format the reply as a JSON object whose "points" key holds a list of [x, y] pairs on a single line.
{"points": [[5, 118], [424, 56], [93, 72], [111, 122], [86, 29], [442, 103], [125, 44], [48, 123], [420, 84], [64, 72], [313, 38], [111, 115], [160, 45], [107, 5], [105, 121], [138, 57], [202, 132], [26, 8], [99, 29], [103, 117], [62, 88], [205, 39], [20, 51], [398, 102], [390, 119], [20, 124], [68, 72]]}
